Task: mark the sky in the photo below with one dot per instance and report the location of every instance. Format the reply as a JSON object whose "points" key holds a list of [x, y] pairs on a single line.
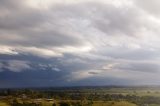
{"points": [[48, 43]]}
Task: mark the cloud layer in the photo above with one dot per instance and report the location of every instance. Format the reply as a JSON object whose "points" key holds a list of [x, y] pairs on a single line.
{"points": [[82, 42]]}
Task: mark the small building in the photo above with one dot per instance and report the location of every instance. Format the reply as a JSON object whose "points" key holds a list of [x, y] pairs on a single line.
{"points": [[49, 100]]}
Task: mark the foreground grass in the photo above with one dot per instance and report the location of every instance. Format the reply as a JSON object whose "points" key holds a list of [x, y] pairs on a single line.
{"points": [[96, 103], [112, 103], [3, 104]]}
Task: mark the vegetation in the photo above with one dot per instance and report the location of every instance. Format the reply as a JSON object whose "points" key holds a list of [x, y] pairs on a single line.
{"points": [[81, 96], [3, 104]]}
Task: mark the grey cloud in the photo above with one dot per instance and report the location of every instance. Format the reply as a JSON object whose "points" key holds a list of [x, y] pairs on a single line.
{"points": [[10, 5], [115, 21], [140, 66], [21, 19], [53, 28], [57, 28], [31, 29], [129, 54], [152, 7]]}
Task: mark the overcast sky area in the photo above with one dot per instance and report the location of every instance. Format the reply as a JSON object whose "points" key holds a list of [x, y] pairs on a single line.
{"points": [[79, 42]]}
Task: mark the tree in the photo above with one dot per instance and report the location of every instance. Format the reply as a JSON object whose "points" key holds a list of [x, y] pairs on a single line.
{"points": [[64, 104]]}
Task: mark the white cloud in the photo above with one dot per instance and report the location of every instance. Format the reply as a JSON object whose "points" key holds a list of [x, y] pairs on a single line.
{"points": [[56, 69], [46, 53], [81, 75], [17, 65], [7, 50]]}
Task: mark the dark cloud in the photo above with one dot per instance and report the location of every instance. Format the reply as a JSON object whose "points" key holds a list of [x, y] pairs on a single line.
{"points": [[11, 5], [93, 73]]}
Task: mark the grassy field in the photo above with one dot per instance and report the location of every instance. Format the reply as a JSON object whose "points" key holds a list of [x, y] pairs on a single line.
{"points": [[95, 103], [101, 103], [3, 104], [127, 91]]}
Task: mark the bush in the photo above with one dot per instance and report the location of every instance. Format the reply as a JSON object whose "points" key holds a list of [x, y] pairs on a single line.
{"points": [[53, 104], [64, 104]]}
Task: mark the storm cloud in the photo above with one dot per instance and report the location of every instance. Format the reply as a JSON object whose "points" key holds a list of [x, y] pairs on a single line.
{"points": [[82, 42]]}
